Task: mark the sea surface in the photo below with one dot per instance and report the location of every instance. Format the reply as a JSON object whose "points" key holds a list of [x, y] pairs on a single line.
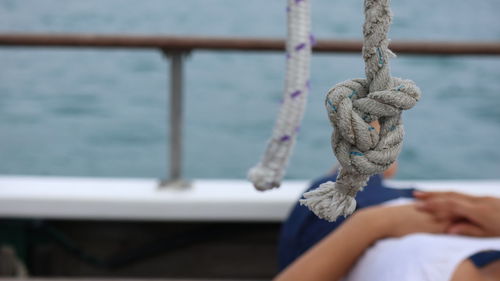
{"points": [[103, 113]]}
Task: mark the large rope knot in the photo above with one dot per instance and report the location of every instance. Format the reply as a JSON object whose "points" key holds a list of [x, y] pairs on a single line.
{"points": [[352, 105], [357, 145], [360, 149]]}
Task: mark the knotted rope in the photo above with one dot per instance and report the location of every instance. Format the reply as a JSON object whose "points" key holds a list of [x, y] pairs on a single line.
{"points": [[269, 172], [351, 106]]}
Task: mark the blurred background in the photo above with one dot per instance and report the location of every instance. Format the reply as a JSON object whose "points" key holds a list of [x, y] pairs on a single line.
{"points": [[90, 112], [104, 114]]}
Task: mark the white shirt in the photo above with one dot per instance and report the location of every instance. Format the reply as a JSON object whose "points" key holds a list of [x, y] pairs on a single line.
{"points": [[418, 257]]}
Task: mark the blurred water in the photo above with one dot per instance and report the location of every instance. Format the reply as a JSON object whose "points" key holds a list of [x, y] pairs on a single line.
{"points": [[103, 112]]}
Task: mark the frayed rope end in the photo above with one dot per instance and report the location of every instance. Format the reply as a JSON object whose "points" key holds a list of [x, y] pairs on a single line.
{"points": [[328, 202], [263, 178]]}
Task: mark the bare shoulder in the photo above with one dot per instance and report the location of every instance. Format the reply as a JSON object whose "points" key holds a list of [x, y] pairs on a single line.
{"points": [[467, 271]]}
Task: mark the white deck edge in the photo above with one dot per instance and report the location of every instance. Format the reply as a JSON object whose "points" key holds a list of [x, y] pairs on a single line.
{"points": [[141, 199]]}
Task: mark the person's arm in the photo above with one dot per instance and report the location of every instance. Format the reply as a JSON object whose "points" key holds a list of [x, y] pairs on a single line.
{"points": [[334, 256], [470, 215]]}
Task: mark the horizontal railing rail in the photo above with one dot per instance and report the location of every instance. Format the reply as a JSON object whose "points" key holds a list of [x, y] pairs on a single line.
{"points": [[238, 44], [176, 47]]}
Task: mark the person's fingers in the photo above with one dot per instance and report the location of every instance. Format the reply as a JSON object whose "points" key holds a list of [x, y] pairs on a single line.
{"points": [[424, 195], [435, 209], [449, 208], [435, 204], [466, 228]]}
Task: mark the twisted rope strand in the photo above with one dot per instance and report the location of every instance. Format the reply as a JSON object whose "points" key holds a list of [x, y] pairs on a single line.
{"points": [[269, 172], [352, 105]]}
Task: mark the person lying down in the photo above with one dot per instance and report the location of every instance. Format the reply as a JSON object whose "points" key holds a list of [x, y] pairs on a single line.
{"points": [[395, 234]]}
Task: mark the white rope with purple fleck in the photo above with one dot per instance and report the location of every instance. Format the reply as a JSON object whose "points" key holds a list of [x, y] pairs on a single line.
{"points": [[351, 106], [269, 172]]}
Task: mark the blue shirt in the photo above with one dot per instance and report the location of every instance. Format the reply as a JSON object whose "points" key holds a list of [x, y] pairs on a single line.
{"points": [[302, 229]]}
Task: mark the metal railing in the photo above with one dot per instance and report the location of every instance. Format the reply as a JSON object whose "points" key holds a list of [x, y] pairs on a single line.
{"points": [[186, 44], [176, 48]]}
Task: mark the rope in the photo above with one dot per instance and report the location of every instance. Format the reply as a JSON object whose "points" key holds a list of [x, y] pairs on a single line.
{"points": [[352, 105], [270, 171]]}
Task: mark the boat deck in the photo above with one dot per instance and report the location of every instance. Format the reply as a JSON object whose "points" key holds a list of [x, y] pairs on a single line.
{"points": [[142, 199]]}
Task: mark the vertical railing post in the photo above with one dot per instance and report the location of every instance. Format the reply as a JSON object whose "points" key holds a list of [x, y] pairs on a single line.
{"points": [[174, 174]]}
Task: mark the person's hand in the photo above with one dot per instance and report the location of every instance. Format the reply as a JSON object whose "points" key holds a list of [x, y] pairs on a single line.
{"points": [[397, 221], [469, 215]]}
